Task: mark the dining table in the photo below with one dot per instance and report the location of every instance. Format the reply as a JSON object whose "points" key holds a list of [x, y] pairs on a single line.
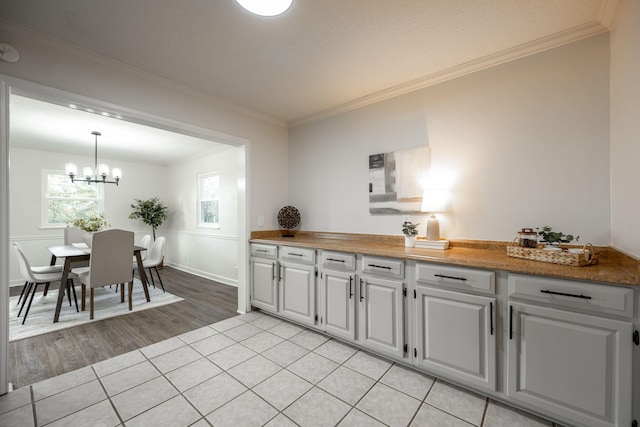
{"points": [[77, 253]]}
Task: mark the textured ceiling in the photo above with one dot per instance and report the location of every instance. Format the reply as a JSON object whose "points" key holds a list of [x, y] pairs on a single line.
{"points": [[320, 57]]}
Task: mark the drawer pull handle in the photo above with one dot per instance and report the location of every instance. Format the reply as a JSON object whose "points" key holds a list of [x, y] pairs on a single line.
{"points": [[293, 254], [544, 291], [380, 266], [442, 276], [335, 260], [261, 250], [510, 322], [350, 287], [491, 317]]}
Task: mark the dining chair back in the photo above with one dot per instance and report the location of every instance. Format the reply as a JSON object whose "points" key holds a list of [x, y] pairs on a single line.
{"points": [[75, 235], [33, 279], [154, 258], [144, 242], [110, 263]]}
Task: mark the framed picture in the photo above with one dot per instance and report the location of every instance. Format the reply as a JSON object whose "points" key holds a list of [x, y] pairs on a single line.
{"points": [[396, 179]]}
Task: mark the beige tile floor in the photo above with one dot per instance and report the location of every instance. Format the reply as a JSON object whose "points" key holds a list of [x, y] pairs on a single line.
{"points": [[251, 370]]}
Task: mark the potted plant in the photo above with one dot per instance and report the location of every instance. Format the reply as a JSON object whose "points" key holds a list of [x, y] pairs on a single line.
{"points": [[410, 231], [553, 239], [152, 212]]}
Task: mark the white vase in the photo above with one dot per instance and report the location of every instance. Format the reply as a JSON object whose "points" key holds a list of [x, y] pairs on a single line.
{"points": [[87, 237], [410, 241]]}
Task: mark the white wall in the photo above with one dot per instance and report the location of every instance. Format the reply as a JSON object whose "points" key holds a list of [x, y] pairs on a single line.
{"points": [[211, 253], [625, 127], [25, 189], [528, 141], [59, 66]]}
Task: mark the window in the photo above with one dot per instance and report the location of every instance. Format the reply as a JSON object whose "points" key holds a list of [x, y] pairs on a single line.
{"points": [[208, 195], [64, 201]]}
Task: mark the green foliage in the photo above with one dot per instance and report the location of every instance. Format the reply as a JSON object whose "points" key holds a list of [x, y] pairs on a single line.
{"points": [[557, 237], [91, 224], [409, 228], [152, 212]]}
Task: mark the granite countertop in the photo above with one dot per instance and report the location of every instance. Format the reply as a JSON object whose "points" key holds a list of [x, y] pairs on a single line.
{"points": [[613, 268]]}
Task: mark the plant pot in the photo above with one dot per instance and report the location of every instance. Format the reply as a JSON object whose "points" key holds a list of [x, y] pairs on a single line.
{"points": [[87, 237], [410, 241]]}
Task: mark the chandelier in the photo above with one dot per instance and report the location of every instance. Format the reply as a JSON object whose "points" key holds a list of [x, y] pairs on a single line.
{"points": [[99, 173]]}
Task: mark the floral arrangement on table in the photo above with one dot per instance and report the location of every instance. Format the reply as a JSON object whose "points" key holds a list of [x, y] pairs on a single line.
{"points": [[95, 222]]}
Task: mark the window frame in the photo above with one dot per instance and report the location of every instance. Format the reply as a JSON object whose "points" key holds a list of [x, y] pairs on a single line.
{"points": [[44, 197], [200, 179]]}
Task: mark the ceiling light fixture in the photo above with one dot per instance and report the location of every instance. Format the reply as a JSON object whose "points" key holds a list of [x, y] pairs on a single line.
{"points": [[266, 7], [98, 173]]}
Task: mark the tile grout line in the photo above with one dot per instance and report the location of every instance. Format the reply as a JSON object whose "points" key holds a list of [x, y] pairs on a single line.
{"points": [[108, 397]]}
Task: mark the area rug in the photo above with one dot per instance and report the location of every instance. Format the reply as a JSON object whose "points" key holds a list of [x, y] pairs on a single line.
{"points": [[106, 304]]}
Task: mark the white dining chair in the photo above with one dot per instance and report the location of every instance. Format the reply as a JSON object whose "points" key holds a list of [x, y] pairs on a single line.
{"points": [[44, 269], [144, 243], [153, 260], [34, 279], [110, 263]]}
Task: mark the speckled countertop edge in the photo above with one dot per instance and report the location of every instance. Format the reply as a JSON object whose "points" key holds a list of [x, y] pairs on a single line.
{"points": [[614, 267]]}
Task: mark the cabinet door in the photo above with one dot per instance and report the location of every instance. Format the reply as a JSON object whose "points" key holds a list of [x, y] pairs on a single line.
{"points": [[298, 292], [381, 318], [338, 304], [456, 335], [573, 365], [264, 289]]}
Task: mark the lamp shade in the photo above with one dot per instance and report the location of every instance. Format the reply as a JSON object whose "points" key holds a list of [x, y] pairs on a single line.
{"points": [[435, 201]]}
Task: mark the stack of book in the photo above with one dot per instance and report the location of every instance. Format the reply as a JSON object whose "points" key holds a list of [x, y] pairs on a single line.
{"points": [[432, 244]]}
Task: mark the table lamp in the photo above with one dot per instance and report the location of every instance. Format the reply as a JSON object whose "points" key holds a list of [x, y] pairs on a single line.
{"points": [[434, 201]]}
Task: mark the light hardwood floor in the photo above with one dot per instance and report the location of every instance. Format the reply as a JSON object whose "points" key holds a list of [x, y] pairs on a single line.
{"points": [[45, 356]]}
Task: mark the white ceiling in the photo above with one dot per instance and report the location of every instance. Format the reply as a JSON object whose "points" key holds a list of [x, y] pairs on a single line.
{"points": [[45, 126], [321, 56]]}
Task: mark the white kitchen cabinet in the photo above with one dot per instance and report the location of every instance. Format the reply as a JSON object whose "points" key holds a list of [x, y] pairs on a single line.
{"points": [[298, 285], [337, 295], [264, 283], [570, 364], [456, 335], [382, 315]]}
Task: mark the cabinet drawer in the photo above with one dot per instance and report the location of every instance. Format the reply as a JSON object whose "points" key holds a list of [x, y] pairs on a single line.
{"points": [[291, 253], [456, 277], [264, 251], [383, 267], [578, 295], [338, 261]]}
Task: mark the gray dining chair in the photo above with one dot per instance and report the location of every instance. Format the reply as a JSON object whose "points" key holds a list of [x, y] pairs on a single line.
{"points": [[110, 263], [33, 279]]}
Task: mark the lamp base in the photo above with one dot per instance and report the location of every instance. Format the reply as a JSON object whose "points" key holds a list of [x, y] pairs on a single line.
{"points": [[433, 228]]}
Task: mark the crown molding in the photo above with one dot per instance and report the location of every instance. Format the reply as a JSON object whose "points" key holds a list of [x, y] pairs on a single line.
{"points": [[61, 46], [545, 43], [607, 12]]}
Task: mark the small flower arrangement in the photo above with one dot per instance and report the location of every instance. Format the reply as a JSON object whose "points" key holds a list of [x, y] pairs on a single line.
{"points": [[90, 225], [554, 237], [409, 228]]}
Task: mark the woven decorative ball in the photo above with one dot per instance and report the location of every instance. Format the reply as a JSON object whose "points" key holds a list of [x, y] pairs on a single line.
{"points": [[289, 218]]}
